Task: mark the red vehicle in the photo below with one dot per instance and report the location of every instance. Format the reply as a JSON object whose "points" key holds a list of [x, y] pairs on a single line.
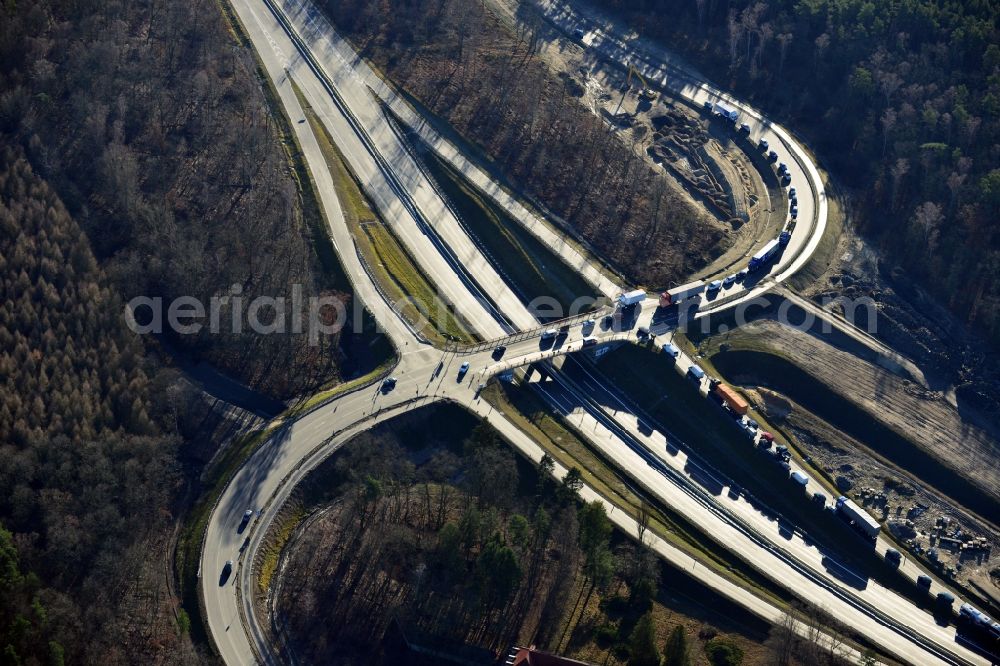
{"points": [[766, 436]]}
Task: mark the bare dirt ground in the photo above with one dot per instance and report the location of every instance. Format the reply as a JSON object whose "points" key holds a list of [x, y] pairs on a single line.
{"points": [[914, 513], [918, 414], [922, 416], [953, 357], [694, 156]]}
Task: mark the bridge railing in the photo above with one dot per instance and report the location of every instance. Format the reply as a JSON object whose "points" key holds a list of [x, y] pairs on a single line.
{"points": [[466, 348]]}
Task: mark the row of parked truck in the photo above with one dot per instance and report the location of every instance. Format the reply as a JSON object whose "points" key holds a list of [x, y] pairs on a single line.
{"points": [[983, 628], [737, 406]]}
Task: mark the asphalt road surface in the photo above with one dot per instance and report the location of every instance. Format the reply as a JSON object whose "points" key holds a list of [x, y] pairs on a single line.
{"points": [[438, 243]]}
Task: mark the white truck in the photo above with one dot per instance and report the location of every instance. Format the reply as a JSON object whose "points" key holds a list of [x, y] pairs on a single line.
{"points": [[631, 298], [682, 293], [861, 519], [764, 255], [727, 112]]}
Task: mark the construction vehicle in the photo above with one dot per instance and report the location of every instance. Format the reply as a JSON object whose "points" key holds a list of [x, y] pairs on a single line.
{"points": [[632, 71]]}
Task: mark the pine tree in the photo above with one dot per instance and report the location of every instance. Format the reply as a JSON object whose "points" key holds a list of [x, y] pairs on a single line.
{"points": [[675, 653], [642, 643]]}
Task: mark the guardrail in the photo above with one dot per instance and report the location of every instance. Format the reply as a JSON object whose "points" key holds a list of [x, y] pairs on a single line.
{"points": [[700, 495], [398, 189], [385, 297], [401, 131], [519, 336]]}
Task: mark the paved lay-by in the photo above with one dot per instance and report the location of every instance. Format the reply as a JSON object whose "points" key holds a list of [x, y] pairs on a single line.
{"points": [[443, 250]]}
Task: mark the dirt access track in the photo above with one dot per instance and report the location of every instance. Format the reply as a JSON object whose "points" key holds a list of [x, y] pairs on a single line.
{"points": [[923, 421], [701, 159]]}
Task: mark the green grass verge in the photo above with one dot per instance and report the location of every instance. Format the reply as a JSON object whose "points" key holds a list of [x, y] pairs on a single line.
{"points": [[329, 394], [396, 272], [388, 254], [528, 264], [277, 538], [565, 446]]}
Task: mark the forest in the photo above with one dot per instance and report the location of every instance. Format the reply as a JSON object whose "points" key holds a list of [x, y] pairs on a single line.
{"points": [[485, 79], [88, 472], [900, 100], [155, 129], [446, 537], [140, 156]]}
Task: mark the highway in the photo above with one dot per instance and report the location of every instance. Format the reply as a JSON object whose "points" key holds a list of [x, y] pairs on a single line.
{"points": [[664, 72], [337, 56], [438, 243], [389, 175]]}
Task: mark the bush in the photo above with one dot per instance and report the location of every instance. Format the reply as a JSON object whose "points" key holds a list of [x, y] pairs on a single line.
{"points": [[722, 652], [606, 635]]}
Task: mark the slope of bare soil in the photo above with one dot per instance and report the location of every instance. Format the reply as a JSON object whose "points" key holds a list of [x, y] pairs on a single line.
{"points": [[898, 486], [912, 509], [925, 418]]}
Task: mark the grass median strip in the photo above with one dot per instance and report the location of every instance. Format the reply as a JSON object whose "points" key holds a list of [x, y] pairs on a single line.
{"points": [[398, 275], [532, 268]]}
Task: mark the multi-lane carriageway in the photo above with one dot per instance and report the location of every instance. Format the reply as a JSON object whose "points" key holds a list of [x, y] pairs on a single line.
{"points": [[331, 82]]}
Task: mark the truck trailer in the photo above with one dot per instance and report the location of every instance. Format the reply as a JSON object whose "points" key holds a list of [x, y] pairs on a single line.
{"points": [[631, 298], [974, 615], [682, 293], [861, 519], [764, 255], [732, 398], [727, 112]]}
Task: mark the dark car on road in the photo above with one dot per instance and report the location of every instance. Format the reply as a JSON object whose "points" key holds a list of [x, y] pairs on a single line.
{"points": [[227, 569], [499, 352], [247, 515]]}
